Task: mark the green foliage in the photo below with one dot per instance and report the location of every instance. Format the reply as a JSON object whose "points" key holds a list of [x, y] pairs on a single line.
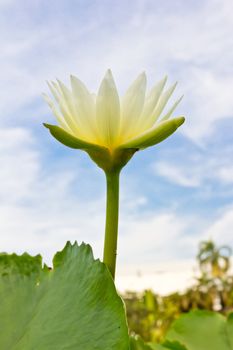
{"points": [[198, 330], [214, 261], [12, 264], [73, 306], [151, 315], [203, 330], [136, 343], [174, 345]]}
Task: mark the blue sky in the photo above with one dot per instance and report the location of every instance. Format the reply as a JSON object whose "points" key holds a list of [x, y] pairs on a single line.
{"points": [[172, 195]]}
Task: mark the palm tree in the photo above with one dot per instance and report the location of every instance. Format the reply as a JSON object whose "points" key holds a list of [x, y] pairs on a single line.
{"points": [[214, 261]]}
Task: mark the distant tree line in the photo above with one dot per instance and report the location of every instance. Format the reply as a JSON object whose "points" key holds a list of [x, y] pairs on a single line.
{"points": [[150, 315]]}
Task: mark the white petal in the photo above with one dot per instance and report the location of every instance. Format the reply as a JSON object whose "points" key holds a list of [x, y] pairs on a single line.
{"points": [[171, 110], [162, 103], [132, 104], [85, 107], [93, 95], [150, 104], [59, 117], [66, 105], [48, 100], [67, 97], [53, 88], [108, 110]]}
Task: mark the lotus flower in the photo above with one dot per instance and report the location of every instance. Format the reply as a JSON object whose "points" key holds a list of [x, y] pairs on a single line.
{"points": [[108, 127]]}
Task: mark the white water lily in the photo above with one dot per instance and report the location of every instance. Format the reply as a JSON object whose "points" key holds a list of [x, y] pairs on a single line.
{"points": [[108, 122], [111, 130]]}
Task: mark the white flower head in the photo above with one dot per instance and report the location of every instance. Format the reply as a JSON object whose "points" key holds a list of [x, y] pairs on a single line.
{"points": [[108, 122]]}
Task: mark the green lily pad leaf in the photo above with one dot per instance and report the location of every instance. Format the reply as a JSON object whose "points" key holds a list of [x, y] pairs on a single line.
{"points": [[136, 343], [168, 346], [73, 306], [203, 330], [174, 345], [155, 135], [12, 264], [69, 140], [229, 329]]}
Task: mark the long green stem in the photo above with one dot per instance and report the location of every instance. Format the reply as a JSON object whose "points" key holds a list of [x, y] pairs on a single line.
{"points": [[111, 226]]}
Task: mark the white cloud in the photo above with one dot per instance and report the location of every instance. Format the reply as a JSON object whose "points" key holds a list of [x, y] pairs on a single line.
{"points": [[153, 236], [38, 212], [165, 235], [221, 229], [208, 99], [19, 165], [198, 169], [225, 174], [187, 41], [182, 177]]}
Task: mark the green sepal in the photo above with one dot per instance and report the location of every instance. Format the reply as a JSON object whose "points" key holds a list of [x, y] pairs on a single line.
{"points": [[71, 141], [118, 158], [111, 161], [155, 135]]}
